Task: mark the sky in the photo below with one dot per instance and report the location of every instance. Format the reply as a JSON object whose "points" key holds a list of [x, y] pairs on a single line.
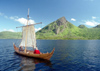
{"points": [[13, 13]]}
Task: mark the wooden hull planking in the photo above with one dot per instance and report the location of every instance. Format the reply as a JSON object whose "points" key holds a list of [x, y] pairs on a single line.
{"points": [[31, 54]]}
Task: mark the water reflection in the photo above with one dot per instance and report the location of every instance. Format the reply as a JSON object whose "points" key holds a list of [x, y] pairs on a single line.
{"points": [[27, 64], [69, 55], [30, 64]]}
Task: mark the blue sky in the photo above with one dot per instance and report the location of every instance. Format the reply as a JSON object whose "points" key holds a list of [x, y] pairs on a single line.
{"points": [[13, 13]]}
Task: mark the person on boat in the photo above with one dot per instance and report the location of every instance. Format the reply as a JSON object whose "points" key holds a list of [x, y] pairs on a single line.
{"points": [[36, 51], [20, 48]]}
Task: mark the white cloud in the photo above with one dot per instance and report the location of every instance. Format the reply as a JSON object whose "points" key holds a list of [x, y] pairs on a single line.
{"points": [[37, 29], [31, 21], [11, 30], [6, 16], [24, 21], [4, 29], [20, 20], [93, 17], [1, 14], [11, 17], [91, 23], [16, 16], [72, 19]]}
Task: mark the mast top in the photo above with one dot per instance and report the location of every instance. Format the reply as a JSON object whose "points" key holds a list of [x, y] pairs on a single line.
{"points": [[28, 14], [28, 11]]}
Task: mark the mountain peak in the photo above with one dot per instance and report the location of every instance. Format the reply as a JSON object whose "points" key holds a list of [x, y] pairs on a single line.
{"points": [[57, 26], [62, 18], [61, 21], [82, 26]]}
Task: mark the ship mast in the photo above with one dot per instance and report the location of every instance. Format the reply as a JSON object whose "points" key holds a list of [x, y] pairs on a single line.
{"points": [[27, 30]]}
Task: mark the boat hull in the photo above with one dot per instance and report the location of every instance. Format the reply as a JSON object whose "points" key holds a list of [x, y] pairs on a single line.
{"points": [[31, 54]]}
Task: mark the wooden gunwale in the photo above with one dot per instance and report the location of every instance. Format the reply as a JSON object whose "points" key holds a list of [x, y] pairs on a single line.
{"points": [[30, 53]]}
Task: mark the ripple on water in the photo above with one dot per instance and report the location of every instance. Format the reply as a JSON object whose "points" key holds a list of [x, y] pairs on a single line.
{"points": [[69, 55]]}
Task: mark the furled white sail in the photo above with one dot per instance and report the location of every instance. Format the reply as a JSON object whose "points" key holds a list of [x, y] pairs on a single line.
{"points": [[28, 37]]}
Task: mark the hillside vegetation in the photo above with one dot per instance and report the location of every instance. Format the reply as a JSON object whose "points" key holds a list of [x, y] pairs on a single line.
{"points": [[10, 35], [60, 29]]}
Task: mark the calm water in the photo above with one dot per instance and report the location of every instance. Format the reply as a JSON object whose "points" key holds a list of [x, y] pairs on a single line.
{"points": [[69, 55]]}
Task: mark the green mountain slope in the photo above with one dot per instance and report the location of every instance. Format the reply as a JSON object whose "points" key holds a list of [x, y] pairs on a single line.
{"points": [[98, 26], [10, 35], [56, 29], [82, 26], [62, 29]]}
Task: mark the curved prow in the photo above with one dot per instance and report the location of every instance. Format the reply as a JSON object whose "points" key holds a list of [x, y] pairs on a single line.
{"points": [[46, 56], [50, 54], [53, 51], [16, 49]]}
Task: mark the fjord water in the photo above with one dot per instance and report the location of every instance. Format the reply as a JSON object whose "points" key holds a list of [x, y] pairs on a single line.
{"points": [[69, 55]]}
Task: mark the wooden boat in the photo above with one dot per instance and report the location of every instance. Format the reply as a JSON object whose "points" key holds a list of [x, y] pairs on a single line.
{"points": [[30, 53], [29, 40]]}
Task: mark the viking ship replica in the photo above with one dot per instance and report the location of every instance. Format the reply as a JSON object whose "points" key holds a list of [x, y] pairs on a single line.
{"points": [[29, 40]]}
